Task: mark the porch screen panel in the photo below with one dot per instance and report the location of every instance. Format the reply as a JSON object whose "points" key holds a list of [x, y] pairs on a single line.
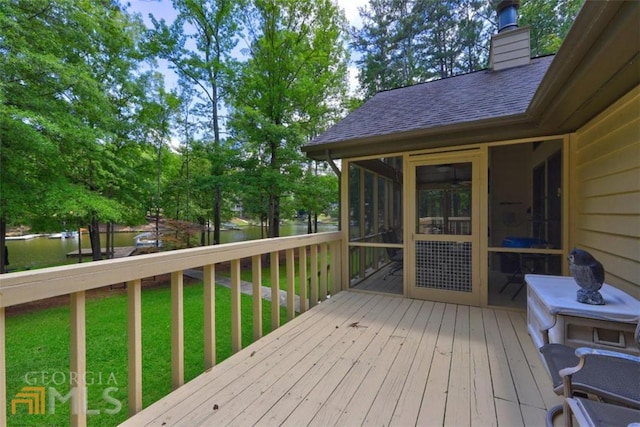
{"points": [[444, 265]]}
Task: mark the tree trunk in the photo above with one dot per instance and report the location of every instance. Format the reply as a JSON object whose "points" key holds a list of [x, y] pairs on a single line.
{"points": [[4, 251], [274, 197], [216, 215], [204, 230], [94, 237]]}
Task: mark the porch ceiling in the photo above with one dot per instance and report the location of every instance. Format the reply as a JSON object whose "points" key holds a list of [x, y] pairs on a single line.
{"points": [[597, 64], [360, 358]]}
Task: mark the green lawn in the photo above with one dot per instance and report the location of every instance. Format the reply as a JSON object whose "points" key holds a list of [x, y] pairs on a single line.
{"points": [[37, 351], [247, 276]]}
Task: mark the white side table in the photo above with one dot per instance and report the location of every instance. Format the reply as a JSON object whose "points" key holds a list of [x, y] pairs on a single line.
{"points": [[554, 315]]}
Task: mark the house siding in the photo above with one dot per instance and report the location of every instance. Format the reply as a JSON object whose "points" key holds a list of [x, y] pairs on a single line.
{"points": [[510, 49], [605, 207]]}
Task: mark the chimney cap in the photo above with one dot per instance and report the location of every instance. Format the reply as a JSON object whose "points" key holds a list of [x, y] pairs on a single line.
{"points": [[507, 15], [503, 4]]}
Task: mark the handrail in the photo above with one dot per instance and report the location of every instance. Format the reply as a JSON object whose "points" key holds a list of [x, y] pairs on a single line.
{"points": [[75, 280], [20, 287]]}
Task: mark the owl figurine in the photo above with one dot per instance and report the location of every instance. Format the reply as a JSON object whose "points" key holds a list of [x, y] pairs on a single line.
{"points": [[588, 274]]}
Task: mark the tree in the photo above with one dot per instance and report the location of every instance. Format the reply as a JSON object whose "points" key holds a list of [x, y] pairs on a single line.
{"points": [[198, 45], [549, 21], [66, 69], [316, 193], [404, 42], [287, 88]]}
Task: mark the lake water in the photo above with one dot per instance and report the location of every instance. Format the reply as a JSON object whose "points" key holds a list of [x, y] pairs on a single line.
{"points": [[44, 252]]}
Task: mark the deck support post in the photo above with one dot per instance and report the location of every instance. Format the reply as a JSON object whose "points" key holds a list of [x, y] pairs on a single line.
{"points": [[236, 316], [323, 272], [256, 279], [134, 335], [291, 285], [3, 368], [336, 274], [304, 294], [177, 330], [78, 359], [209, 273], [275, 290]]}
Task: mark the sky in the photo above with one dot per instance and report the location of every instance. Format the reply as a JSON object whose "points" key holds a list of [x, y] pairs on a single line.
{"points": [[163, 9]]}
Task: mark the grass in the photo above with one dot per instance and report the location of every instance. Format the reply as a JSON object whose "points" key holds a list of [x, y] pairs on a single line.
{"points": [[37, 352], [247, 276]]}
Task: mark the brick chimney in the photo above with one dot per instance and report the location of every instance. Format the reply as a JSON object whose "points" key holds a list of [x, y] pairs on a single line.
{"points": [[511, 46]]}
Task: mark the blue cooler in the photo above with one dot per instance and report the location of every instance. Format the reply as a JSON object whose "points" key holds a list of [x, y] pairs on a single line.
{"points": [[510, 262]]}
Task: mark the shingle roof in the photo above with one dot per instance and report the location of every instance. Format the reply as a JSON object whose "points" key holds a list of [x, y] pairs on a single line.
{"points": [[465, 98]]}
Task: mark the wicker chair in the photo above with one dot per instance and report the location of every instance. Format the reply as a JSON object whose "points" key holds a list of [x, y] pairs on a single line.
{"points": [[610, 376]]}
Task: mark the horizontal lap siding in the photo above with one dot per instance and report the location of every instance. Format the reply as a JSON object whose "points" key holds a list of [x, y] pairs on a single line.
{"points": [[607, 183]]}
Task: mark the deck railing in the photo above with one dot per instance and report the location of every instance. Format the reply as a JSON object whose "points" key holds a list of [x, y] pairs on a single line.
{"points": [[324, 277]]}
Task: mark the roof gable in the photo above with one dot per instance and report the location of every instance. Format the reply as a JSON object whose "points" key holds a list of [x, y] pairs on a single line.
{"points": [[596, 64], [480, 95]]}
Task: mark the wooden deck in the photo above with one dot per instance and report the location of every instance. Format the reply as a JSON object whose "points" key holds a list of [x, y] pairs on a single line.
{"points": [[362, 359]]}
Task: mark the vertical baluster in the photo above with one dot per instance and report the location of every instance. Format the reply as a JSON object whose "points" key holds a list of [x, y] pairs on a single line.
{"points": [[313, 292], [291, 285], [78, 358], [134, 335], [209, 284], [236, 318], [256, 278], [3, 368], [177, 330], [302, 262], [323, 271], [275, 290], [335, 268]]}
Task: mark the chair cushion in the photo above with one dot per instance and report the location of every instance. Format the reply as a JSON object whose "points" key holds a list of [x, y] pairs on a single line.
{"points": [[603, 414]]}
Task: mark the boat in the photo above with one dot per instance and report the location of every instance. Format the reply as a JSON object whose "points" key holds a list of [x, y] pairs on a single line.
{"points": [[147, 240], [63, 235]]}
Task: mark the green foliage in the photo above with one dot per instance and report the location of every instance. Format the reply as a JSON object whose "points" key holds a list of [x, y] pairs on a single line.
{"points": [[286, 93], [198, 45], [549, 21], [68, 112], [405, 42]]}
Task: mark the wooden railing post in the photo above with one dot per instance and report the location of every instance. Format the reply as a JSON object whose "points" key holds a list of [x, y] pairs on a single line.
{"points": [[236, 315], [72, 281], [3, 368], [323, 271], [336, 274], [209, 273], [177, 329], [275, 290], [78, 360], [291, 284], [256, 279], [313, 283], [134, 335], [304, 295]]}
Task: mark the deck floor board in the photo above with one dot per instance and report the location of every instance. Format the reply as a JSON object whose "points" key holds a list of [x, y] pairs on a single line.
{"points": [[362, 359]]}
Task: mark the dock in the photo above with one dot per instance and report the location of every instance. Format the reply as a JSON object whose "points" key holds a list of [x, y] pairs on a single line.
{"points": [[119, 252]]}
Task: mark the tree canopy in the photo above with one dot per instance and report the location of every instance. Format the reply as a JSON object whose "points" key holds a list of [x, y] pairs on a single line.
{"points": [[90, 135]]}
